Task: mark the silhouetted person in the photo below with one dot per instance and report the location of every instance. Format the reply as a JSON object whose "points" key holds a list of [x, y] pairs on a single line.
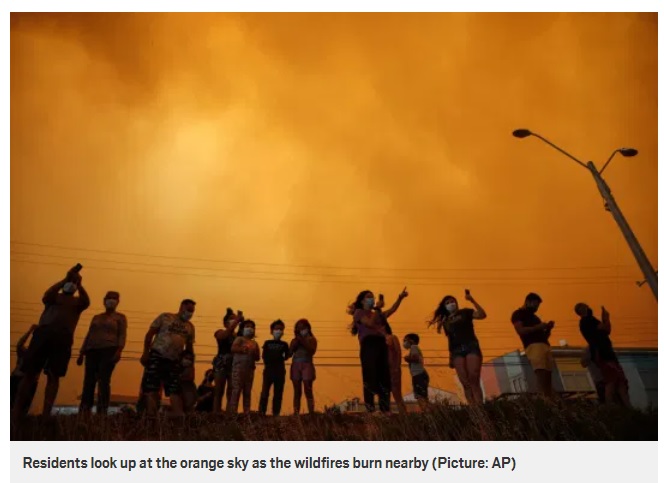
{"points": [[303, 371], [168, 337], [245, 354], [597, 332], [394, 358], [535, 337], [463, 345], [17, 373], [223, 362], [50, 349], [205, 393], [418, 373], [275, 354], [369, 324], [102, 350]]}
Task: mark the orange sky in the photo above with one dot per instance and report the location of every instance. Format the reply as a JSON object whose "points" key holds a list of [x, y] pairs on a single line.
{"points": [[272, 145]]}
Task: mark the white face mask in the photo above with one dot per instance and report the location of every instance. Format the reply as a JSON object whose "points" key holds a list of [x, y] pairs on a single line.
{"points": [[304, 332], [186, 315], [110, 304], [277, 334], [451, 307], [406, 345], [69, 288], [248, 332], [368, 303]]}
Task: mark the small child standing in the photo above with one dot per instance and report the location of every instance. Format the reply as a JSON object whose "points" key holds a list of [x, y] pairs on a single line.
{"points": [[245, 354], [303, 371], [415, 361], [275, 354]]}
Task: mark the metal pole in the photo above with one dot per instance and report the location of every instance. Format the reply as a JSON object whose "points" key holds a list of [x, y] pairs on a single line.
{"points": [[641, 258]]}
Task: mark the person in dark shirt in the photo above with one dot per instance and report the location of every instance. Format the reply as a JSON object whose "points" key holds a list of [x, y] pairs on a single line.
{"points": [[223, 361], [17, 373], [275, 354], [535, 335], [597, 333], [50, 348], [205, 393], [464, 348]]}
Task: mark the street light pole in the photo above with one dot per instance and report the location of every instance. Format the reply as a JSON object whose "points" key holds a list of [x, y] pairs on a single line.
{"points": [[646, 267]]}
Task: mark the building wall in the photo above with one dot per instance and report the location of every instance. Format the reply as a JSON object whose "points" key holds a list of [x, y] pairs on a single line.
{"points": [[512, 373]]}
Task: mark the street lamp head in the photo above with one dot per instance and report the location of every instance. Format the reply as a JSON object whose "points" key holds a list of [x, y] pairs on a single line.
{"points": [[628, 152], [521, 133]]}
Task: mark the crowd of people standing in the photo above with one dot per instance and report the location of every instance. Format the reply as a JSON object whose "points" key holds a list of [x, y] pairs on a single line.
{"points": [[168, 355]]}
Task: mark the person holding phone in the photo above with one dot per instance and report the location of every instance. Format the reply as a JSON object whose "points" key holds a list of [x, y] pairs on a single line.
{"points": [[371, 326], [535, 335], [597, 332], [463, 345], [52, 340], [223, 361]]}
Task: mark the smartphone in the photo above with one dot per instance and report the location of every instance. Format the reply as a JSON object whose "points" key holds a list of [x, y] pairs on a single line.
{"points": [[467, 292], [380, 297], [77, 268]]}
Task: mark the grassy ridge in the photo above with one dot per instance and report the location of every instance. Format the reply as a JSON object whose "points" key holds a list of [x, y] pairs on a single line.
{"points": [[521, 419]]}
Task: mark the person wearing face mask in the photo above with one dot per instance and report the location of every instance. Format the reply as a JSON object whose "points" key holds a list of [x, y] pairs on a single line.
{"points": [[303, 371], [245, 354], [50, 348], [463, 346], [223, 361], [167, 338], [101, 351], [275, 354], [369, 324], [535, 335]]}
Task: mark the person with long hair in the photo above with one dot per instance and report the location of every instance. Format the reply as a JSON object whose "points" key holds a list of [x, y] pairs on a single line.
{"points": [[371, 326], [463, 345], [303, 372], [223, 362]]}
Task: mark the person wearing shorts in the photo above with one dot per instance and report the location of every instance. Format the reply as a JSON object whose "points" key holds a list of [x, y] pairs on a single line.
{"points": [[463, 345], [419, 375], [50, 348], [168, 337], [303, 372], [535, 335], [597, 332]]}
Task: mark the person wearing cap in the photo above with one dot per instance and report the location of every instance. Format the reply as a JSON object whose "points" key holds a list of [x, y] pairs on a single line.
{"points": [[101, 351], [535, 335]]}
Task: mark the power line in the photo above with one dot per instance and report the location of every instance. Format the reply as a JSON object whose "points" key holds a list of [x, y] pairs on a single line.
{"points": [[372, 277], [236, 262], [501, 282]]}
